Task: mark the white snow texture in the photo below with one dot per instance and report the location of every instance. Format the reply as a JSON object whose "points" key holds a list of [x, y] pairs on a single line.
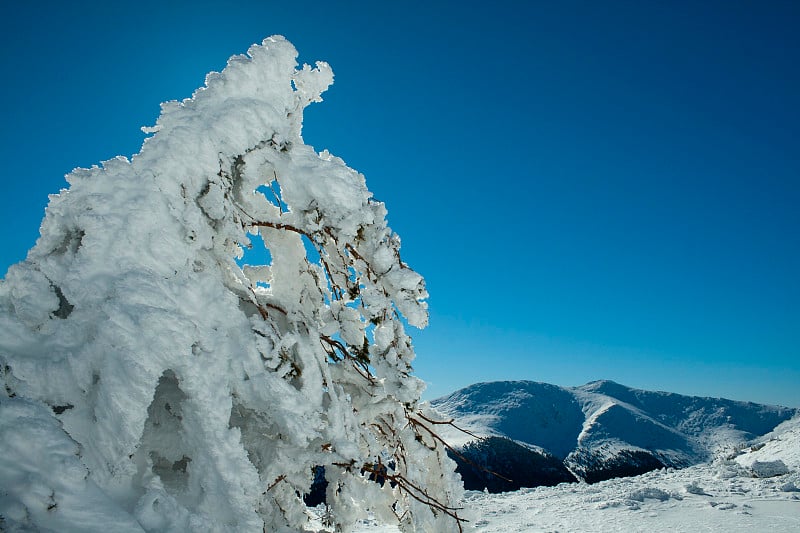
{"points": [[153, 384], [726, 494]]}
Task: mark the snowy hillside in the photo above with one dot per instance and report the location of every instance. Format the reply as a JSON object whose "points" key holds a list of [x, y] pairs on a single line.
{"points": [[723, 494], [600, 430]]}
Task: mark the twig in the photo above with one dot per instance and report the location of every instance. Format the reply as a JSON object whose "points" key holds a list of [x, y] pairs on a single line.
{"points": [[448, 423], [275, 193], [280, 478], [461, 456], [416, 493], [333, 345]]}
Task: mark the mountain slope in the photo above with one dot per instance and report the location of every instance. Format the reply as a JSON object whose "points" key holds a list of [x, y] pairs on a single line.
{"points": [[603, 429]]}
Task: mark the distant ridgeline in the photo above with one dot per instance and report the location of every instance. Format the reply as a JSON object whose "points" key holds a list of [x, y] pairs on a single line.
{"points": [[535, 434]]}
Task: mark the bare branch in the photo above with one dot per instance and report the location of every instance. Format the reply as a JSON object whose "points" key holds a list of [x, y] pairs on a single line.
{"points": [[450, 422], [280, 478], [415, 492], [437, 437]]}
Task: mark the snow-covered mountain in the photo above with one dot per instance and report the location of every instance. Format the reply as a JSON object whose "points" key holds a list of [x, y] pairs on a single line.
{"points": [[594, 432]]}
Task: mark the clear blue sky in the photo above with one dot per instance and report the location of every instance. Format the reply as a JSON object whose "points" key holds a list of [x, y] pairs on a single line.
{"points": [[593, 190]]}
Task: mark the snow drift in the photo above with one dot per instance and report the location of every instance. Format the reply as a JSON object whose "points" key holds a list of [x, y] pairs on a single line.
{"points": [[152, 383]]}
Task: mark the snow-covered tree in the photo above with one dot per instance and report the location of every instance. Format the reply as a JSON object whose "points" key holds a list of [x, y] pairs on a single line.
{"points": [[151, 382]]}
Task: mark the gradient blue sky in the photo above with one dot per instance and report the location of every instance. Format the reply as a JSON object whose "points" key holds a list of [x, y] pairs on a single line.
{"points": [[593, 190]]}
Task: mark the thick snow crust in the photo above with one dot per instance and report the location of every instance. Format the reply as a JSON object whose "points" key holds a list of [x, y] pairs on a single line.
{"points": [[151, 383]]}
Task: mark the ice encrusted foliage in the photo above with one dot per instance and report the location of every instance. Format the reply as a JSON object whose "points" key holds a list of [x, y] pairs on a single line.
{"points": [[151, 383]]}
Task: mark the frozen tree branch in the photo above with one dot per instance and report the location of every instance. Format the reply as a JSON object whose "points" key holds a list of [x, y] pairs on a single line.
{"points": [[204, 387]]}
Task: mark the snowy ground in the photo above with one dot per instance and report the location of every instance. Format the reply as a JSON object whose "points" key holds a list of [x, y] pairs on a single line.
{"points": [[723, 495], [695, 499]]}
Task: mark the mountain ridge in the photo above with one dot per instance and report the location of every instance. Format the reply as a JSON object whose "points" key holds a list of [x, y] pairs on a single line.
{"points": [[599, 430]]}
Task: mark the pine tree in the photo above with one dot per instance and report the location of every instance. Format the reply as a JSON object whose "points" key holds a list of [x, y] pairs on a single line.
{"points": [[202, 393]]}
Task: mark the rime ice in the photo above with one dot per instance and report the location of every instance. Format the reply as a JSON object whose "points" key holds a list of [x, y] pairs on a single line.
{"points": [[153, 384]]}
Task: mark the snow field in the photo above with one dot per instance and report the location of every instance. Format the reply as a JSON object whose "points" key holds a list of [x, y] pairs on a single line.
{"points": [[723, 495]]}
